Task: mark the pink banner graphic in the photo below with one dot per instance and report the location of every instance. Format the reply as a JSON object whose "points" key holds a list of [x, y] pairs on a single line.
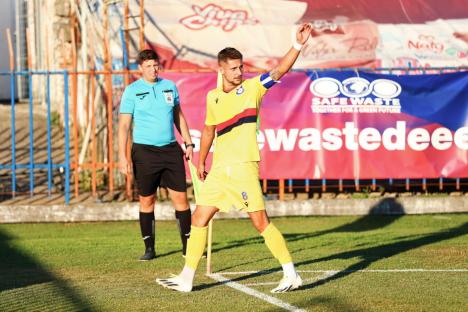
{"points": [[349, 125]]}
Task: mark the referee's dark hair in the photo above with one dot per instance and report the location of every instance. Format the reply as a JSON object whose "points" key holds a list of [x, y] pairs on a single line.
{"points": [[229, 54], [147, 54]]}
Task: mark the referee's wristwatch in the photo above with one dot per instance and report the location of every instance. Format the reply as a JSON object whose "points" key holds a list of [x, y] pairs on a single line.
{"points": [[188, 145]]}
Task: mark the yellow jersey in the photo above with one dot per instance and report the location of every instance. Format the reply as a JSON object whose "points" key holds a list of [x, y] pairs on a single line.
{"points": [[235, 114]]}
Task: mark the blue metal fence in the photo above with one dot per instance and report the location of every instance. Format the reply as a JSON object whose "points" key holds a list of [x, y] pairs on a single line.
{"points": [[32, 165]]}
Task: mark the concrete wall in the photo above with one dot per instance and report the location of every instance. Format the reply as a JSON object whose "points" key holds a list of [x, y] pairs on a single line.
{"points": [[7, 20], [164, 211]]}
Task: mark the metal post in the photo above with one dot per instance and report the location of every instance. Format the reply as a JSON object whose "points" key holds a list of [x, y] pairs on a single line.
{"points": [[49, 142], [31, 117], [12, 102], [108, 84], [74, 93], [281, 189], [357, 186], [124, 38], [67, 139], [142, 24], [93, 116]]}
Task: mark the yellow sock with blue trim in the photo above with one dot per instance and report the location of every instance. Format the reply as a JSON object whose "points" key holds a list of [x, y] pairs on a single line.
{"points": [[195, 246], [276, 243]]}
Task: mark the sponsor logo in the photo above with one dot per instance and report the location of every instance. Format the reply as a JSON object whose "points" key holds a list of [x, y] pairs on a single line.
{"points": [[240, 90], [355, 94], [141, 96], [216, 16], [426, 43]]}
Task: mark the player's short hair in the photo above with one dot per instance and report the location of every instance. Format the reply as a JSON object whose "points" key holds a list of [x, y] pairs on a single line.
{"points": [[229, 54], [145, 55]]}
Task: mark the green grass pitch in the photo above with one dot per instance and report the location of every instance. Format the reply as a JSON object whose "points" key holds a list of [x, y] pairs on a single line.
{"points": [[367, 263]]}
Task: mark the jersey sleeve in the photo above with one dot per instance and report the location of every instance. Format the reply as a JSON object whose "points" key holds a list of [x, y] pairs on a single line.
{"points": [[127, 102], [176, 95], [210, 119]]}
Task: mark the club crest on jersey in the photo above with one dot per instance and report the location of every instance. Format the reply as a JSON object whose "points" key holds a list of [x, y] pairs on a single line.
{"points": [[244, 196], [169, 96], [240, 90]]}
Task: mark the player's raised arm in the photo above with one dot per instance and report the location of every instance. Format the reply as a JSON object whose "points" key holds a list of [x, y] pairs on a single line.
{"points": [[302, 34]]}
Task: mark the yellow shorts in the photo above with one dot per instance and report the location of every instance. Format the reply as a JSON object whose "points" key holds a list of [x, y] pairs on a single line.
{"points": [[234, 186]]}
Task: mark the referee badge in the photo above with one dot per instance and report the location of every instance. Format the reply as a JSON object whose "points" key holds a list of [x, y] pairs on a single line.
{"points": [[169, 96]]}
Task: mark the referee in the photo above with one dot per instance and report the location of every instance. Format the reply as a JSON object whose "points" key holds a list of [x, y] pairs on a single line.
{"points": [[152, 104]]}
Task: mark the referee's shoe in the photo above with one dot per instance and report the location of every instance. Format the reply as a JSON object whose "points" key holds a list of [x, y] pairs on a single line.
{"points": [[150, 254]]}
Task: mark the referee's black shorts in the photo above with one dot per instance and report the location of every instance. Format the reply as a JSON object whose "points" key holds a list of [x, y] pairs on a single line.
{"points": [[155, 166]]}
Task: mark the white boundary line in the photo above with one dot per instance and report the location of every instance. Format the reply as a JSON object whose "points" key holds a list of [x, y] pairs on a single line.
{"points": [[325, 274], [357, 271], [255, 293], [307, 280]]}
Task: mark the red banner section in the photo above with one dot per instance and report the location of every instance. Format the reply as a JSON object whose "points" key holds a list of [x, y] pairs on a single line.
{"points": [[352, 125]]}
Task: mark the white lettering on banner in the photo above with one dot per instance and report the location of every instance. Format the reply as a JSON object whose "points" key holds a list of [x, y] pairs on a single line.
{"points": [[418, 139], [308, 141], [461, 138], [370, 139], [214, 15], [281, 138], [331, 139], [351, 138], [441, 139], [357, 98], [398, 134]]}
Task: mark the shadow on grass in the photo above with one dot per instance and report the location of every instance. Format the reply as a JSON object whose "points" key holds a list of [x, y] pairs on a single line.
{"points": [[384, 213], [370, 255], [25, 284], [367, 256]]}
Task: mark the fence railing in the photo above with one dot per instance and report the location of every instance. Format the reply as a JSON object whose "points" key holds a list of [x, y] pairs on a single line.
{"points": [[94, 175]]}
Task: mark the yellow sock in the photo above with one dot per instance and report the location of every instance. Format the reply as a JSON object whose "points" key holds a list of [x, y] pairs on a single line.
{"points": [[276, 243], [195, 246]]}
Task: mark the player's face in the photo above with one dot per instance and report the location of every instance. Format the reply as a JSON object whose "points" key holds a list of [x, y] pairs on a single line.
{"points": [[150, 70], [232, 70]]}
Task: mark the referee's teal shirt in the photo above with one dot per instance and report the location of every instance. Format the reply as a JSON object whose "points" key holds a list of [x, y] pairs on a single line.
{"points": [[151, 106]]}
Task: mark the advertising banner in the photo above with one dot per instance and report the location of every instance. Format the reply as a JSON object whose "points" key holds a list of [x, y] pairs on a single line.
{"points": [[352, 125]]}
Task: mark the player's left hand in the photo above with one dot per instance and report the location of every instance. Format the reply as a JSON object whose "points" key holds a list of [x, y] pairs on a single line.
{"points": [[189, 153], [303, 33]]}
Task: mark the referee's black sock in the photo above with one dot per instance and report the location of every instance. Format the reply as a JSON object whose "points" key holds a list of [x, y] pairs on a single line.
{"points": [[147, 228], [184, 220]]}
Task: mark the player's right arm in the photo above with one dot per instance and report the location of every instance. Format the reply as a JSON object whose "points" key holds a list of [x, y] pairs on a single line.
{"points": [[206, 141], [208, 133], [125, 121]]}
